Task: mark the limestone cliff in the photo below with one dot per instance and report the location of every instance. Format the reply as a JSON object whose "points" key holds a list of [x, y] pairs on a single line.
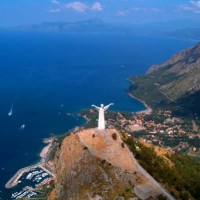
{"points": [[94, 164]]}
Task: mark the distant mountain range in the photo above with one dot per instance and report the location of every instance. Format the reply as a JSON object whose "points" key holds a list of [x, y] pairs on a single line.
{"points": [[174, 84], [181, 28], [91, 25]]}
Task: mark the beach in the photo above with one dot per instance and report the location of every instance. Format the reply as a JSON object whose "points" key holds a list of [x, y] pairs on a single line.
{"points": [[42, 164], [45, 150], [148, 109]]}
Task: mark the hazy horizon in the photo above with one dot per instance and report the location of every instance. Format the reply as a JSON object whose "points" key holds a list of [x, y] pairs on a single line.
{"points": [[21, 12]]}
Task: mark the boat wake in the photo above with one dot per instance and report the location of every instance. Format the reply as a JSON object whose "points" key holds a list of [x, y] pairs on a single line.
{"points": [[11, 111]]}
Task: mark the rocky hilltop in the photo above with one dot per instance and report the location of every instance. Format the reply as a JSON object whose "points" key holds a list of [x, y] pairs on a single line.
{"points": [[175, 83], [93, 164]]}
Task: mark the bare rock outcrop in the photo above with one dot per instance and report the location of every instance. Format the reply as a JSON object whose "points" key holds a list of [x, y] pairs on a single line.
{"points": [[93, 164]]}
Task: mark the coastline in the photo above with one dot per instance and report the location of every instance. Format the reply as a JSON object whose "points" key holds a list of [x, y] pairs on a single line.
{"points": [[13, 181], [148, 109], [43, 154]]}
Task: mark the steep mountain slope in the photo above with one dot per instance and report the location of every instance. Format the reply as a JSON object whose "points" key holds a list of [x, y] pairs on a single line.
{"points": [[173, 83], [93, 164]]}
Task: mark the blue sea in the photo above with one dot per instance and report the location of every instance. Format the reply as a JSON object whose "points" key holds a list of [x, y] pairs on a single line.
{"points": [[47, 75]]}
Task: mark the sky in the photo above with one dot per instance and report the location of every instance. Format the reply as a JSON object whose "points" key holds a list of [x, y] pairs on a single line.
{"points": [[18, 12]]}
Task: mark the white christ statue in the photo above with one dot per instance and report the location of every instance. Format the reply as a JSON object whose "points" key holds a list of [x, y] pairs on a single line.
{"points": [[102, 109]]}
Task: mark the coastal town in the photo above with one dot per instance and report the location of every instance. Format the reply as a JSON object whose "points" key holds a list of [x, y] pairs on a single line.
{"points": [[158, 127]]}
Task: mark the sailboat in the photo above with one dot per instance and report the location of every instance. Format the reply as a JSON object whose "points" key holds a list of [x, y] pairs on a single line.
{"points": [[22, 127], [11, 111]]}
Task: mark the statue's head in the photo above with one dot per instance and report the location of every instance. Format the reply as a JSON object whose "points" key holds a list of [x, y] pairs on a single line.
{"points": [[102, 105]]}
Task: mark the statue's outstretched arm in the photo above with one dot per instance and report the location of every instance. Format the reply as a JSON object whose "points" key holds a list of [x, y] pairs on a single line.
{"points": [[97, 108], [106, 107]]}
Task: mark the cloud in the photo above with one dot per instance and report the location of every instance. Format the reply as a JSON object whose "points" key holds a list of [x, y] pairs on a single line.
{"points": [[195, 3], [76, 6], [138, 9], [192, 6], [55, 2], [155, 10], [149, 10], [122, 13], [135, 9], [97, 6], [55, 10]]}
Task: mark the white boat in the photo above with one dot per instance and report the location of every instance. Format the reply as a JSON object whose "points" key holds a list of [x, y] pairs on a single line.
{"points": [[11, 111], [61, 106], [22, 126]]}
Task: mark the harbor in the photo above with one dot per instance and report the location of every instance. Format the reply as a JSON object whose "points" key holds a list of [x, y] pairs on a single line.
{"points": [[29, 179], [24, 193]]}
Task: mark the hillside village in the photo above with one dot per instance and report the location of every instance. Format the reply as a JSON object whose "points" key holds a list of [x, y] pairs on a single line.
{"points": [[157, 127]]}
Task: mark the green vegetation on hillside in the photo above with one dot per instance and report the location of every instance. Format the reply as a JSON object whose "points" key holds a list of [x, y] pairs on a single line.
{"points": [[145, 89], [181, 178], [173, 85]]}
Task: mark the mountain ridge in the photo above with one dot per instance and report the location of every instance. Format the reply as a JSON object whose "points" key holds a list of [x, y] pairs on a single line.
{"points": [[176, 29], [90, 25], [173, 83]]}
